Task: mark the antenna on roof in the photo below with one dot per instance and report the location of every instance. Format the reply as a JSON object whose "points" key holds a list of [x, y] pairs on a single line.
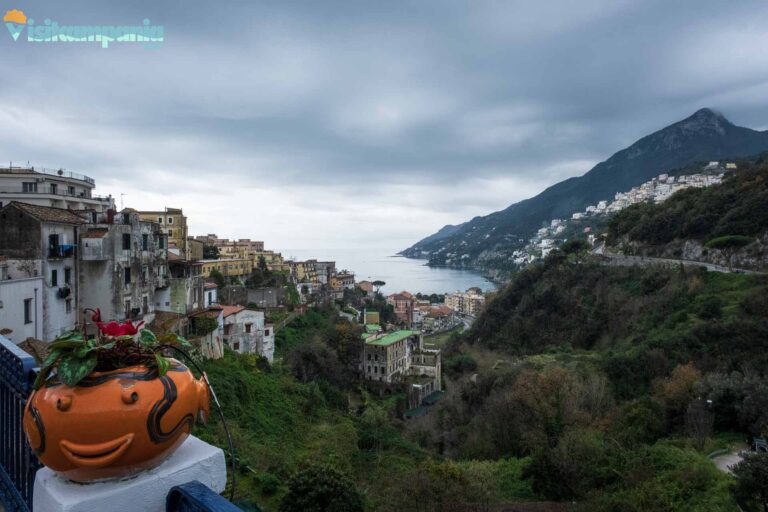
{"points": [[121, 200]]}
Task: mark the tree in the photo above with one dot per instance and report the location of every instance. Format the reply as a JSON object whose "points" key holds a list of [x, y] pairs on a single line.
{"points": [[699, 421], [579, 463], [751, 488], [729, 244], [321, 488], [262, 265], [378, 284], [210, 252], [218, 277]]}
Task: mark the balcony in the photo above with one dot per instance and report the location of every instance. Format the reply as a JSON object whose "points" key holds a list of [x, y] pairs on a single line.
{"points": [[61, 251], [42, 189], [61, 173]]}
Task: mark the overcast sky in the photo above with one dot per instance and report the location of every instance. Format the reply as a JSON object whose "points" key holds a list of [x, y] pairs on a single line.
{"points": [[325, 124]]}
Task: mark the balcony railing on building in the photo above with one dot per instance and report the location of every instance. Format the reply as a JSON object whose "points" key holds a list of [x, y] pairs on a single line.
{"points": [[61, 173], [18, 463], [61, 251], [43, 190]]}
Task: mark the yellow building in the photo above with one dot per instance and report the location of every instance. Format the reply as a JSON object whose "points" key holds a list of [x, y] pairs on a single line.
{"points": [[195, 249], [233, 267], [304, 271], [174, 224]]}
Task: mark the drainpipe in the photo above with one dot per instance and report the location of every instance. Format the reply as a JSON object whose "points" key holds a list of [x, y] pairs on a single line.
{"points": [[36, 314], [76, 279]]}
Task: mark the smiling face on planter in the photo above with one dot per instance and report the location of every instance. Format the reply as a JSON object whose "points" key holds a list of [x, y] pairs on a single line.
{"points": [[114, 424]]}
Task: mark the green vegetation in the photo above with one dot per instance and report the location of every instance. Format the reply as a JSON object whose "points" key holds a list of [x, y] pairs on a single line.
{"points": [[210, 252], [218, 278], [751, 488], [735, 211]]}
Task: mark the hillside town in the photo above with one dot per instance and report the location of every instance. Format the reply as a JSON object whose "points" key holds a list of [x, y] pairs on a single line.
{"points": [[655, 190]]}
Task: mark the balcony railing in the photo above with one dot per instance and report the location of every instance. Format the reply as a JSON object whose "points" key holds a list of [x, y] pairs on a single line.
{"points": [[52, 172], [18, 463], [61, 251], [44, 190]]}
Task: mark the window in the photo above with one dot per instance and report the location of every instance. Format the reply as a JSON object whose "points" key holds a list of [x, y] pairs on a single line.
{"points": [[161, 242], [210, 297], [375, 369], [383, 369], [159, 220], [248, 328], [126, 242], [170, 232], [54, 277], [29, 187], [71, 190], [68, 275], [54, 188], [69, 306], [369, 357], [127, 275], [144, 242], [170, 220], [27, 311], [266, 332], [236, 345], [369, 368]]}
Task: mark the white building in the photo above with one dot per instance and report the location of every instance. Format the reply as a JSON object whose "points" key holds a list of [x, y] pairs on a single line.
{"points": [[51, 187], [21, 305], [268, 346], [40, 241], [210, 297], [244, 330], [123, 262]]}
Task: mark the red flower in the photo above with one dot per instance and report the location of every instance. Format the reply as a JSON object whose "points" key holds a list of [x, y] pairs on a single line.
{"points": [[96, 316], [116, 329]]}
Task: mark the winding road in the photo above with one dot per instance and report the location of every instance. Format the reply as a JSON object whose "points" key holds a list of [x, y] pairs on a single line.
{"points": [[616, 259]]}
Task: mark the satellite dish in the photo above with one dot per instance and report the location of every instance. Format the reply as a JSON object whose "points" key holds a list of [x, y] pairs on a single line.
{"points": [[60, 172]]}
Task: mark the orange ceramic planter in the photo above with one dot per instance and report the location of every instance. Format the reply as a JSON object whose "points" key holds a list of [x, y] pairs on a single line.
{"points": [[114, 424]]}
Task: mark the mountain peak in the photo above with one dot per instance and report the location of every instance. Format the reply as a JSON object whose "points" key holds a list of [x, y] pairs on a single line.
{"points": [[705, 120]]}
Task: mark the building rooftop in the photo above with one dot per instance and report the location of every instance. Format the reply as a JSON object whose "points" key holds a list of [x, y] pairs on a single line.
{"points": [[391, 338], [231, 310], [372, 327], [61, 173], [47, 213]]}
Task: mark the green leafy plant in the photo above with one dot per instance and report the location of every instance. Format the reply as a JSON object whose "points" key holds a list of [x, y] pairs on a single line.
{"points": [[74, 355]]}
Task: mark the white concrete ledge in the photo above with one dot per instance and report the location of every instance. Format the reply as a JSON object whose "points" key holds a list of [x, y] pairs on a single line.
{"points": [[194, 460]]}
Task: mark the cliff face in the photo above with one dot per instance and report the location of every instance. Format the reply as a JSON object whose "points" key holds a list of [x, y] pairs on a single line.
{"points": [[487, 242]]}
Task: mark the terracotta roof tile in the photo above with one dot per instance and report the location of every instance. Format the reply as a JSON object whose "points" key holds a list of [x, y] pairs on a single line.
{"points": [[47, 213]]}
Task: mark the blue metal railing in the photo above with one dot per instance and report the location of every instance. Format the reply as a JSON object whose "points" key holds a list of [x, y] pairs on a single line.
{"points": [[196, 497], [18, 463]]}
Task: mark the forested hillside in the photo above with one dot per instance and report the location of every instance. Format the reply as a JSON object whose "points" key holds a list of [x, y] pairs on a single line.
{"points": [[737, 207], [605, 376]]}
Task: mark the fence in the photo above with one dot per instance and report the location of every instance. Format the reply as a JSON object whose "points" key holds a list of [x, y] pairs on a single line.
{"points": [[18, 464]]}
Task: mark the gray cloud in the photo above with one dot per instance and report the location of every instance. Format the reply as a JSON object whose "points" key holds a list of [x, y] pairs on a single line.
{"points": [[350, 123]]}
